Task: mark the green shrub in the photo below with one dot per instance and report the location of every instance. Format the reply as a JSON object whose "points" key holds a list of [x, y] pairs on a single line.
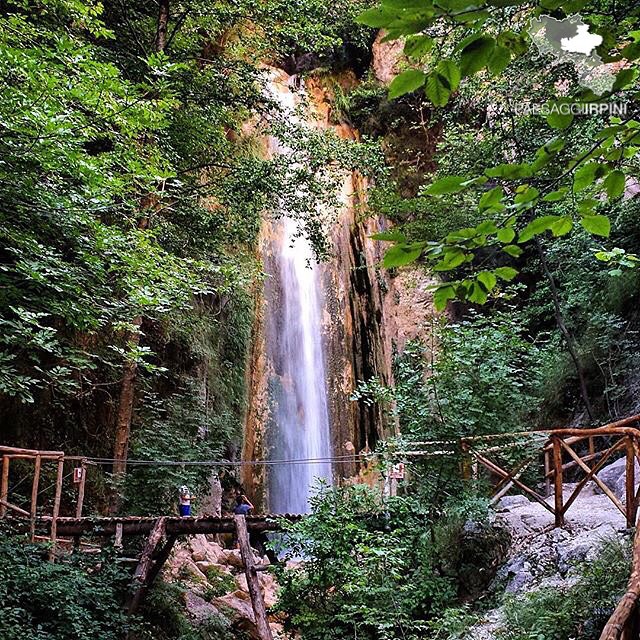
{"points": [[579, 612]]}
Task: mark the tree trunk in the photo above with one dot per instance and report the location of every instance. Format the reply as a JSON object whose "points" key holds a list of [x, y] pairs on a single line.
{"points": [[125, 413], [566, 333], [163, 24]]}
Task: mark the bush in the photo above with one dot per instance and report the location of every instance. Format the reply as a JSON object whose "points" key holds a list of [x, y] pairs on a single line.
{"points": [[78, 598], [371, 568], [580, 612]]}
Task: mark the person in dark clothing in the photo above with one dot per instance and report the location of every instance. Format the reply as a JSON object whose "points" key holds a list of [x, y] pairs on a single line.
{"points": [[243, 506]]}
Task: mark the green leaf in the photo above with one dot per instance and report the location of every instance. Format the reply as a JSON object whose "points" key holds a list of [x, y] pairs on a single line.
{"points": [[554, 196], [506, 273], [556, 118], [453, 257], [378, 17], [477, 294], [562, 226], [417, 46], [406, 82], [449, 70], [437, 92], [442, 295], [513, 250], [624, 78], [506, 235], [442, 82], [527, 195], [492, 199], [537, 226], [405, 4], [614, 184], [597, 225], [401, 255], [510, 171], [487, 279], [499, 60], [476, 54], [585, 176], [448, 184]]}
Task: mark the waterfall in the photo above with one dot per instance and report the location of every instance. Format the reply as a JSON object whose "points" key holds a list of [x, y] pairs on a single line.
{"points": [[299, 423]]}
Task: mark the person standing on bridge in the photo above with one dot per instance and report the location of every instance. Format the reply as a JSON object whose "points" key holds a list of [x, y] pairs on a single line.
{"points": [[243, 506], [185, 502]]}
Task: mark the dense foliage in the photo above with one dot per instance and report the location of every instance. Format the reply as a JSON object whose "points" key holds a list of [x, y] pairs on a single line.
{"points": [[516, 196]]}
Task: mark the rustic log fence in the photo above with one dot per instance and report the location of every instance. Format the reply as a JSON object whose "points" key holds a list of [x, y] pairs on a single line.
{"points": [[578, 454]]}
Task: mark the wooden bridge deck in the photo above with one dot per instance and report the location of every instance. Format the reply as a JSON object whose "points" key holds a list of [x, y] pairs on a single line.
{"points": [[143, 525]]}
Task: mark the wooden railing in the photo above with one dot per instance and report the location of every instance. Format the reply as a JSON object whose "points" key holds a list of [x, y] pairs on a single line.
{"points": [[575, 454], [579, 454]]}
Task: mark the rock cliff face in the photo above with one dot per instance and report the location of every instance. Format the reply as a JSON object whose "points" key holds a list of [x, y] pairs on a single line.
{"points": [[367, 316]]}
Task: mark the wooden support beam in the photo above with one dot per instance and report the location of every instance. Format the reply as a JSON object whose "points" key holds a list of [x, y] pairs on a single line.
{"points": [[631, 505], [547, 473], [595, 478], [259, 610], [13, 507], [591, 473], [503, 474], [56, 508], [160, 559], [140, 577], [558, 482], [34, 497], [4, 486]]}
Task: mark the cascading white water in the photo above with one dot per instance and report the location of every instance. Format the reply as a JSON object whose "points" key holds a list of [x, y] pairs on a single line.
{"points": [[299, 427]]}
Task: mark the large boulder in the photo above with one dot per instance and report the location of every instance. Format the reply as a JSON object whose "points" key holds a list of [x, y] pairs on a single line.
{"points": [[614, 477], [203, 550], [198, 608]]}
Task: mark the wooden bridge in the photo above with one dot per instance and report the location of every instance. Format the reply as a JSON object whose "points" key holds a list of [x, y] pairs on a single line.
{"points": [[567, 455]]}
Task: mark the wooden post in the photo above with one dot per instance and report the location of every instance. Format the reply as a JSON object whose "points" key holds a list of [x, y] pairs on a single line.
{"points": [[140, 577], [630, 482], [80, 502], [259, 610], [557, 486], [118, 541], [34, 497], [56, 508], [466, 461], [4, 485], [547, 477]]}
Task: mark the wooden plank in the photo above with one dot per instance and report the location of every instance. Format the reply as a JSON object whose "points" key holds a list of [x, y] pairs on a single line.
{"points": [[13, 507], [106, 527], [33, 507], [558, 482], [259, 610], [503, 474], [56, 508], [597, 480], [118, 541], [144, 565], [4, 486]]}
